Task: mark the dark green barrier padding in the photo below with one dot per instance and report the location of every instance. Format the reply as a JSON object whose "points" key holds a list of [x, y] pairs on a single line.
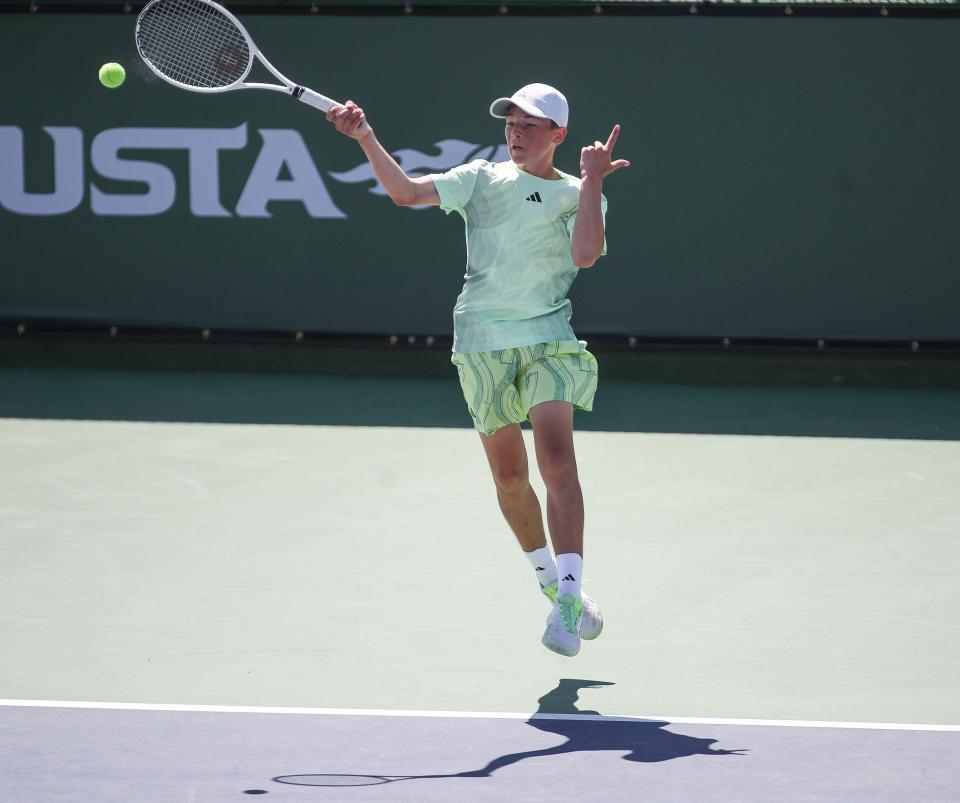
{"points": [[791, 178]]}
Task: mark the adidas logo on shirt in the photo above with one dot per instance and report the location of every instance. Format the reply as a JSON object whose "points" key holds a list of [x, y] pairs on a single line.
{"points": [[535, 197]]}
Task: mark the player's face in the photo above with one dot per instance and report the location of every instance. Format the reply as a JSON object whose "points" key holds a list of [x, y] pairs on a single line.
{"points": [[531, 139]]}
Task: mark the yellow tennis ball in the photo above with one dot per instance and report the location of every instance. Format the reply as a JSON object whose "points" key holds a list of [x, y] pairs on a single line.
{"points": [[112, 75]]}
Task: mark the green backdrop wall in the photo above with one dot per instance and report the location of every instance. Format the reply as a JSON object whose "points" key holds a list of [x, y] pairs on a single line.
{"points": [[791, 177]]}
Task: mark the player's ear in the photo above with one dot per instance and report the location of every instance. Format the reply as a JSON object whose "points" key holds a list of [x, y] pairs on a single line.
{"points": [[559, 135]]}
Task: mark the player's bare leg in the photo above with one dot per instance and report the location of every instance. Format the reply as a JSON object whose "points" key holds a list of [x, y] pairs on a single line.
{"points": [[553, 438], [507, 456], [575, 614]]}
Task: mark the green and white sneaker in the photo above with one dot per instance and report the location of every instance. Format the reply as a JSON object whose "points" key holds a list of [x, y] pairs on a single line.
{"points": [[592, 622], [563, 626]]}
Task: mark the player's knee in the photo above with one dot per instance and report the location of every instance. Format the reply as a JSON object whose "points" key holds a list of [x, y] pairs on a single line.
{"points": [[558, 467], [511, 479]]}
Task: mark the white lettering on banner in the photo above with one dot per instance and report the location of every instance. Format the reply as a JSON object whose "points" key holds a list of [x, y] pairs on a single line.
{"points": [[161, 185], [67, 173], [285, 148], [282, 150], [203, 146]]}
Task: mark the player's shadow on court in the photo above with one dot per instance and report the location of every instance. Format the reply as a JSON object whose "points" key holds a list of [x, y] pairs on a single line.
{"points": [[641, 740], [585, 731]]}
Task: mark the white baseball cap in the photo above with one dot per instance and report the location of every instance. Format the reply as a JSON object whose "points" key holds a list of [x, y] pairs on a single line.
{"points": [[537, 100]]}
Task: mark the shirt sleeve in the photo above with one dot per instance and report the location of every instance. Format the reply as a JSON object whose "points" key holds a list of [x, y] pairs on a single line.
{"points": [[603, 214], [456, 186]]}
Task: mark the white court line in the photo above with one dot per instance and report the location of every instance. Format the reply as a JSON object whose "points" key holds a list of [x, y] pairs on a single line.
{"points": [[375, 712]]}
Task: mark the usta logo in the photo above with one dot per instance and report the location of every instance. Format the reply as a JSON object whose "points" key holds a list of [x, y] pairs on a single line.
{"points": [[284, 170]]}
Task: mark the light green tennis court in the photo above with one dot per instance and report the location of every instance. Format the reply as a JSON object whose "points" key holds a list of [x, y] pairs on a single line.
{"points": [[368, 567]]}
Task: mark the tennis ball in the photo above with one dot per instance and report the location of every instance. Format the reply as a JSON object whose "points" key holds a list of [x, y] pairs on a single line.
{"points": [[112, 75]]}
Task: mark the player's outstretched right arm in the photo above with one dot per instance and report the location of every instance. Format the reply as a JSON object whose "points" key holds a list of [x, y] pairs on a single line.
{"points": [[350, 120]]}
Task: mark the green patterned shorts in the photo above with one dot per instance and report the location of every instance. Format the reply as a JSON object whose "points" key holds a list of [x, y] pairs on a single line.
{"points": [[500, 387]]}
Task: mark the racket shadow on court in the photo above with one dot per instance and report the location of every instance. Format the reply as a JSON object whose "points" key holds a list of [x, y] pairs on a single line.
{"points": [[584, 730]]}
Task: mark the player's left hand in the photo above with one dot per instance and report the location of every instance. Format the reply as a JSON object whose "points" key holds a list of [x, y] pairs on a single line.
{"points": [[596, 160]]}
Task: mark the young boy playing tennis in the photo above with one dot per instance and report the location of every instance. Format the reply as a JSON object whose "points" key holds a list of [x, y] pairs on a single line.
{"points": [[529, 229]]}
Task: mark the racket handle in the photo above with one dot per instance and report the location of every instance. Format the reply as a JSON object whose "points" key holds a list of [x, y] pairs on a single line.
{"points": [[314, 99]]}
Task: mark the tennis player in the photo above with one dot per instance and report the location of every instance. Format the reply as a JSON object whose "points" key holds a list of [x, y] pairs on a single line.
{"points": [[530, 227]]}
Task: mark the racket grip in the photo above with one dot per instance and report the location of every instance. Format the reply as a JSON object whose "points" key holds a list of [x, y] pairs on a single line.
{"points": [[314, 99]]}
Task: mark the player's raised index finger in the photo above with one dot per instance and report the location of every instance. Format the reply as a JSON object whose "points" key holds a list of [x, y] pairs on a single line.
{"points": [[613, 136]]}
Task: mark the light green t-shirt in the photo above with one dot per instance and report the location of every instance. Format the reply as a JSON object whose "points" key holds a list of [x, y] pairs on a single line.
{"points": [[519, 263]]}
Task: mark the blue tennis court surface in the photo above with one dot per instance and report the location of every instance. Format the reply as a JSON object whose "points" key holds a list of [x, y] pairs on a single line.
{"points": [[55, 752]]}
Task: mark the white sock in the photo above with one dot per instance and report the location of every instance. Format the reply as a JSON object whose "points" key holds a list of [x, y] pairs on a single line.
{"points": [[569, 570], [543, 564]]}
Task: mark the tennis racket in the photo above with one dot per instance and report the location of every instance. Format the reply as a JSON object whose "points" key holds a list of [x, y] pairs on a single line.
{"points": [[200, 46]]}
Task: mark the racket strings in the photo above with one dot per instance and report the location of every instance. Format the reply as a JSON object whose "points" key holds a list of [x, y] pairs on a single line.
{"points": [[193, 43]]}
